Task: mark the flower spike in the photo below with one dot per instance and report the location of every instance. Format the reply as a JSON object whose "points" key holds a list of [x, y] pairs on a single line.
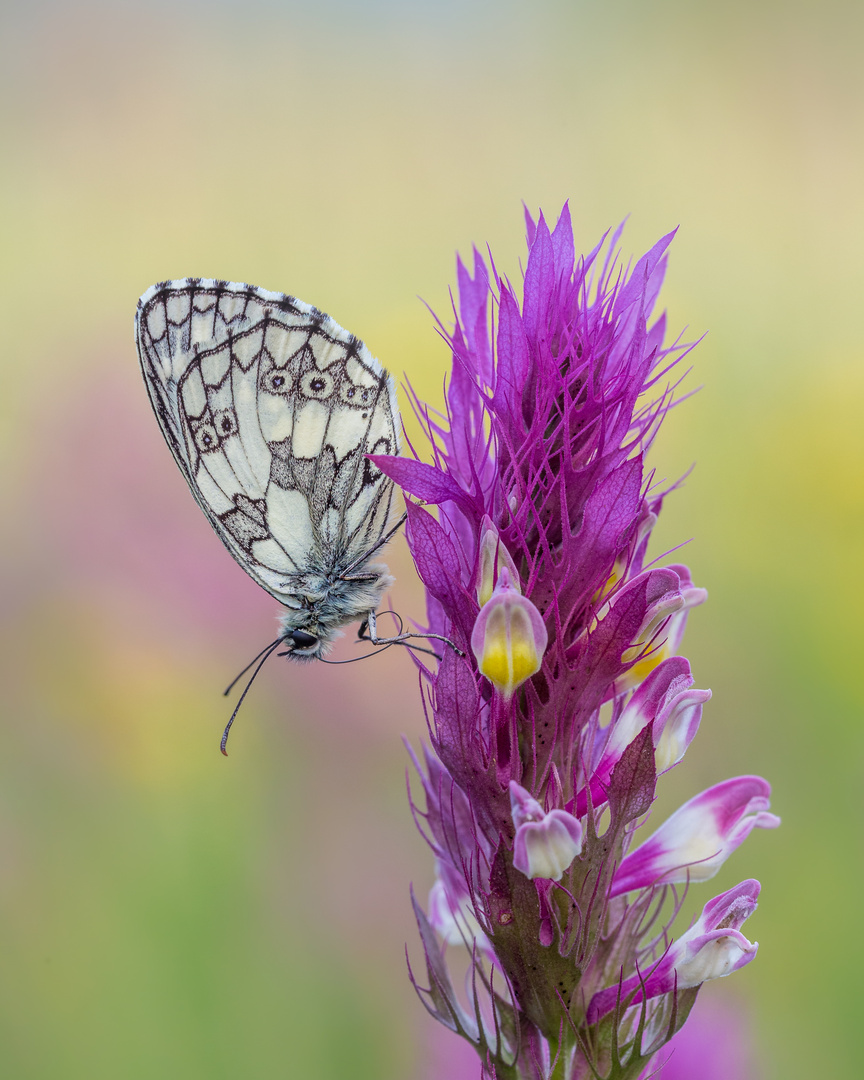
{"points": [[533, 548]]}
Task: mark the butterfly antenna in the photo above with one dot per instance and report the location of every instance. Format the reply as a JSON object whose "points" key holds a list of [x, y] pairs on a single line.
{"points": [[263, 659], [234, 682]]}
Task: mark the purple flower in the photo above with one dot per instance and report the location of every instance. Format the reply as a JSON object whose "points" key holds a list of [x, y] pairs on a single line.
{"points": [[493, 558], [564, 695], [545, 844], [665, 700], [450, 910], [711, 949], [694, 843], [509, 638], [662, 630]]}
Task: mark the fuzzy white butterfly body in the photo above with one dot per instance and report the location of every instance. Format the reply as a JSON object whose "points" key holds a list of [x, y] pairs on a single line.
{"points": [[270, 409]]}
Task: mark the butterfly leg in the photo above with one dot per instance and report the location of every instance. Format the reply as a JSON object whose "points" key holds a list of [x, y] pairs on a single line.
{"points": [[369, 632]]}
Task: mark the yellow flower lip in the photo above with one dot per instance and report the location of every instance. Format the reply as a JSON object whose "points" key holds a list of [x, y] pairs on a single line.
{"points": [[509, 637]]}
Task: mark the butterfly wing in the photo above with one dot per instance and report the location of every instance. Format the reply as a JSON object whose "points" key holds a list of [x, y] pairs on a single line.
{"points": [[269, 408]]}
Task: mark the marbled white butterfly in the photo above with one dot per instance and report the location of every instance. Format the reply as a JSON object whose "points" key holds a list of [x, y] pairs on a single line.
{"points": [[270, 409]]}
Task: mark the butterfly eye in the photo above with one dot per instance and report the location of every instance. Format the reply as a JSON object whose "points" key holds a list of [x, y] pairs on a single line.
{"points": [[302, 640], [317, 385], [206, 438], [276, 382]]}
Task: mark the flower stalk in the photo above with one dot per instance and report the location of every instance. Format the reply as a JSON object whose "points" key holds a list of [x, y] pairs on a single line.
{"points": [[568, 696]]}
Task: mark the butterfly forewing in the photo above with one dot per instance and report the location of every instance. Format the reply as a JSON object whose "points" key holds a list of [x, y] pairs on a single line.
{"points": [[269, 408]]}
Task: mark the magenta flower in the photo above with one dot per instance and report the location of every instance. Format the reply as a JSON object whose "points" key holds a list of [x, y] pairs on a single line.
{"points": [[509, 637], [666, 700], [545, 844], [694, 843], [564, 695], [450, 911], [711, 949]]}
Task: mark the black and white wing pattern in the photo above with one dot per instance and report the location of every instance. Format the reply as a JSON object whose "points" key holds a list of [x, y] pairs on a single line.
{"points": [[269, 408]]}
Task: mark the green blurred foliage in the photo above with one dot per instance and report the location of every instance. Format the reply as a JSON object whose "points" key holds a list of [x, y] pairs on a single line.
{"points": [[164, 912]]}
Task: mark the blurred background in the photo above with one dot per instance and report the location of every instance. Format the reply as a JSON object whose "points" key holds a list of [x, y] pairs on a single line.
{"points": [[166, 912]]}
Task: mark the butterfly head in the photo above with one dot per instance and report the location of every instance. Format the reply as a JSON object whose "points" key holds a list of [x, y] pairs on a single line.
{"points": [[302, 644]]}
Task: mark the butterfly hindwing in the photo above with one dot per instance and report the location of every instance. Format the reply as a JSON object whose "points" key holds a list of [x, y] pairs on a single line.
{"points": [[269, 408]]}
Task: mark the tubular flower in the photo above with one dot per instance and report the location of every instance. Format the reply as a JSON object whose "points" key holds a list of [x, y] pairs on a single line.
{"points": [[493, 558], [694, 843], [450, 910], [711, 949], [662, 630], [545, 844], [667, 701], [509, 637], [562, 695]]}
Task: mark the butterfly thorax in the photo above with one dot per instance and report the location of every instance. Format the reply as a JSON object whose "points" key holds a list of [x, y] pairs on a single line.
{"points": [[324, 603]]}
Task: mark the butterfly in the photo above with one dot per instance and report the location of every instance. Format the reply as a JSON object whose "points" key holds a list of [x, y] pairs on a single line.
{"points": [[270, 409]]}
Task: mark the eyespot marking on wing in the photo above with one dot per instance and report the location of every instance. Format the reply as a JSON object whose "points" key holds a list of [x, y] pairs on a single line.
{"points": [[205, 434], [317, 385], [225, 422]]}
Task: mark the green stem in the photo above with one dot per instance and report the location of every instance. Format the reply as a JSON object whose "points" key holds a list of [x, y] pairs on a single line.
{"points": [[563, 1050]]}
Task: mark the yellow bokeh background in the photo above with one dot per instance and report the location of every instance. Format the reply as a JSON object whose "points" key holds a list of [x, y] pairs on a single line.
{"points": [[164, 912]]}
